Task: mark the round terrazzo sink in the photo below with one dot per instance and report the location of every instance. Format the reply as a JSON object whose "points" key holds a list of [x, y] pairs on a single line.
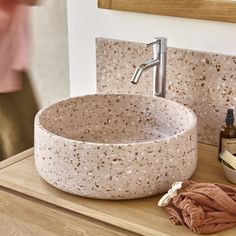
{"points": [[115, 146]]}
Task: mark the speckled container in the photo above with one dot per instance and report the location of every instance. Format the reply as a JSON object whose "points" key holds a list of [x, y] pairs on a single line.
{"points": [[204, 82], [115, 146]]}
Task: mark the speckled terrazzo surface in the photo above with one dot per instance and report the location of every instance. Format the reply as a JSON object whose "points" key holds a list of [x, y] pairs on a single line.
{"points": [[115, 146], [205, 82]]}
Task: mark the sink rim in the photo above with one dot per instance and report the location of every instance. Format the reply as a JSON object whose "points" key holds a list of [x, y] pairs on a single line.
{"points": [[191, 125]]}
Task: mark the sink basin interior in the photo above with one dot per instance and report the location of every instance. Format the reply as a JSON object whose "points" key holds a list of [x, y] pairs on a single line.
{"points": [[116, 119]]}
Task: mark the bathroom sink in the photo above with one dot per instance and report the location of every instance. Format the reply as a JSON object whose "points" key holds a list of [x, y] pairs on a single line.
{"points": [[115, 146]]}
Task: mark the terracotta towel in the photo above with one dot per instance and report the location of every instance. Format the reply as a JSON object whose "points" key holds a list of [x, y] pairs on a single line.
{"points": [[14, 45], [204, 207]]}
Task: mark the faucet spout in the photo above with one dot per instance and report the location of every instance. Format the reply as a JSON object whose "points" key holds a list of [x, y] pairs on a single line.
{"points": [[137, 74], [141, 68]]}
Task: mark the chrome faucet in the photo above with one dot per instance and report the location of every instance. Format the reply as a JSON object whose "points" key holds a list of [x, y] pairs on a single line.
{"points": [[159, 67]]}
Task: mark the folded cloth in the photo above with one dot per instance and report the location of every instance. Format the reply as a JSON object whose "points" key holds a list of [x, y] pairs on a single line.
{"points": [[203, 207], [14, 45]]}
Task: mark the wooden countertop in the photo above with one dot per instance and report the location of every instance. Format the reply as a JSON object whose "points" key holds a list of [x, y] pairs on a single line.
{"points": [[19, 182]]}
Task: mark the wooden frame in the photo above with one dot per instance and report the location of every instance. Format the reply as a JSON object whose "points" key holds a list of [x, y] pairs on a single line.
{"points": [[217, 10]]}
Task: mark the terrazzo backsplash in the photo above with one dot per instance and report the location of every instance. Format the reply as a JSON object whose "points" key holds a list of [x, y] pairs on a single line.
{"points": [[205, 82]]}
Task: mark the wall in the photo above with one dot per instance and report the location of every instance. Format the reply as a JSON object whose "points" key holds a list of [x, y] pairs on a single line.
{"points": [[50, 61], [86, 22]]}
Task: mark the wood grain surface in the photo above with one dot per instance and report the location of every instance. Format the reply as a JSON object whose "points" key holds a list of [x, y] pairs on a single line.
{"points": [[217, 10], [16, 158], [23, 217], [141, 216]]}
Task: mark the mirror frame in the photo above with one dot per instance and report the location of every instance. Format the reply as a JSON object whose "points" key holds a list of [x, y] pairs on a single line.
{"points": [[216, 10]]}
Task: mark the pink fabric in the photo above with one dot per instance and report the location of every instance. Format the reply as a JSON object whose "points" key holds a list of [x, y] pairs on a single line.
{"points": [[204, 207], [14, 35]]}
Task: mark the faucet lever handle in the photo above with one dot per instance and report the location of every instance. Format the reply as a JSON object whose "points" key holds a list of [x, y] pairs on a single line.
{"points": [[160, 42], [151, 44]]}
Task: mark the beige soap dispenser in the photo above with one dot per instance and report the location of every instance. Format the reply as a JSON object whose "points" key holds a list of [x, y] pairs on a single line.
{"points": [[228, 134]]}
